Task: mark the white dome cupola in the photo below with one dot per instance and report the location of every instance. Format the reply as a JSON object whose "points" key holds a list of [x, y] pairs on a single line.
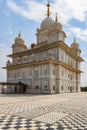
{"points": [[19, 40], [56, 32], [50, 30], [19, 44], [57, 25], [75, 47], [48, 21]]}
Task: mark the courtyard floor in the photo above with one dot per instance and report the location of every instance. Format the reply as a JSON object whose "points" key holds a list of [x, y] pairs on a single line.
{"points": [[43, 112]]}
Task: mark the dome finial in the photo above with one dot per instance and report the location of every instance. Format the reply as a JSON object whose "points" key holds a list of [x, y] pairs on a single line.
{"points": [[56, 18], [74, 39], [48, 9], [19, 34]]}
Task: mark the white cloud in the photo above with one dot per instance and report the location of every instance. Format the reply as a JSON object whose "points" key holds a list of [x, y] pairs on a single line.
{"points": [[10, 30], [4, 51], [78, 32], [33, 11], [67, 9]]}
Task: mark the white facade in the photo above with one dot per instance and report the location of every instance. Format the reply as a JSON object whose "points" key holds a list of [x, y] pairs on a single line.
{"points": [[50, 66]]}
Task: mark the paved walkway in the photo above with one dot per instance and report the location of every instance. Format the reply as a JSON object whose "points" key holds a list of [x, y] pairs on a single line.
{"points": [[43, 112]]}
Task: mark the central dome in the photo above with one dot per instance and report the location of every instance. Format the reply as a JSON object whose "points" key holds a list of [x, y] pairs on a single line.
{"points": [[46, 23]]}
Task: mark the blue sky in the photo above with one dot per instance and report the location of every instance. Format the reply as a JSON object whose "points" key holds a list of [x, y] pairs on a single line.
{"points": [[26, 15]]}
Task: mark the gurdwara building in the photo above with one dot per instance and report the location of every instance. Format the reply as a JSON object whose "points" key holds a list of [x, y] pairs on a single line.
{"points": [[49, 66]]}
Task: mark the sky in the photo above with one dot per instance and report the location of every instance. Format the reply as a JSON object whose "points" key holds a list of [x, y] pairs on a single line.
{"points": [[26, 16]]}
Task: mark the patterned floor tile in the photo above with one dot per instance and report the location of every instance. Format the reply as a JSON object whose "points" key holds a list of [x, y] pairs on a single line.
{"points": [[43, 112], [50, 117]]}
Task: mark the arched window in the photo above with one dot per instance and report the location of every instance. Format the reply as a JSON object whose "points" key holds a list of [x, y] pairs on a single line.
{"points": [[68, 87], [45, 87], [61, 87], [53, 87], [37, 87]]}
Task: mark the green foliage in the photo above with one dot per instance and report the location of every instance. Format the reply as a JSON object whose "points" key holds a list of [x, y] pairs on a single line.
{"points": [[84, 88]]}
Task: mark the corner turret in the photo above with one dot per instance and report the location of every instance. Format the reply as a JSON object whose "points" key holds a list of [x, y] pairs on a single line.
{"points": [[75, 47], [19, 44]]}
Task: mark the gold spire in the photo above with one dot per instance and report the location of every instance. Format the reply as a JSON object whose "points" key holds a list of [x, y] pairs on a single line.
{"points": [[48, 9], [56, 18]]}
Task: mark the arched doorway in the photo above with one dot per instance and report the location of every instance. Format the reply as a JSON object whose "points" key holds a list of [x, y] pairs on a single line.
{"points": [[24, 89], [15, 89], [71, 89]]}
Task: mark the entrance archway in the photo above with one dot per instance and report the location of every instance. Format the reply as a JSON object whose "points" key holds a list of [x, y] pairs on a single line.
{"points": [[15, 88], [22, 89], [71, 89]]}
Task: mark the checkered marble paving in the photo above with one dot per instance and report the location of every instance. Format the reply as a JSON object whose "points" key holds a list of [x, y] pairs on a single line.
{"points": [[43, 112], [32, 113], [50, 117], [72, 122]]}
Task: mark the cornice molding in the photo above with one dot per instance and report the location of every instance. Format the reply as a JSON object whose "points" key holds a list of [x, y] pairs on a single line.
{"points": [[44, 62], [46, 47]]}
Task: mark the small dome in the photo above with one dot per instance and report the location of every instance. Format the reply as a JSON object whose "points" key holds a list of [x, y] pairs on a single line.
{"points": [[74, 45], [19, 40], [57, 25], [46, 23]]}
